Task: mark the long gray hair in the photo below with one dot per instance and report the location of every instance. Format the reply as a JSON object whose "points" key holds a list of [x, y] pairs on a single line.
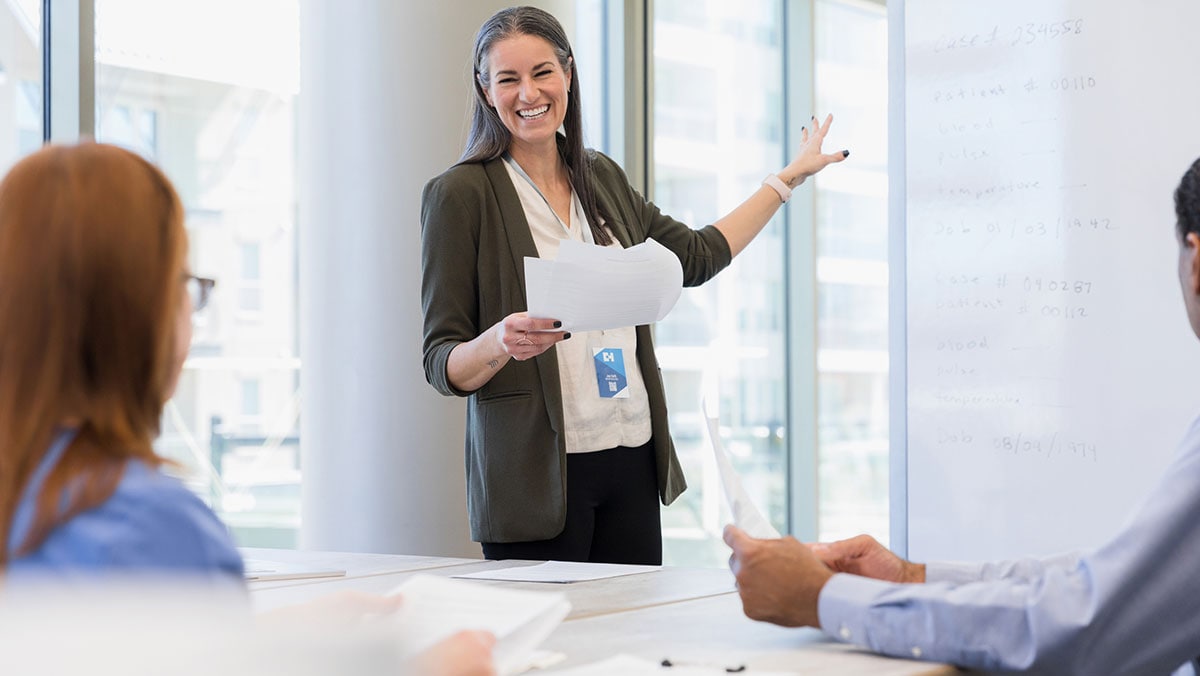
{"points": [[490, 139]]}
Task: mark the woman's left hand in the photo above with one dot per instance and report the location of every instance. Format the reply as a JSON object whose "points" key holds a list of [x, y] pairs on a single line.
{"points": [[811, 159]]}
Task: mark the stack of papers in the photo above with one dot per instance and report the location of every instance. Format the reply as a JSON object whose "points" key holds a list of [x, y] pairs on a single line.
{"points": [[596, 288], [435, 608], [560, 571]]}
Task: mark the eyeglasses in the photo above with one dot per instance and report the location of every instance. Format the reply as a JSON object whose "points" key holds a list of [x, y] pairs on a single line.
{"points": [[199, 290]]}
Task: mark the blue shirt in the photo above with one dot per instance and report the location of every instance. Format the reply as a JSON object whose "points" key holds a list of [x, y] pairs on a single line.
{"points": [[151, 525], [1128, 607]]}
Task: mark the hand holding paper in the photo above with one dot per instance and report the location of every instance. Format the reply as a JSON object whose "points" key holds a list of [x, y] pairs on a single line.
{"points": [[593, 288], [745, 514]]}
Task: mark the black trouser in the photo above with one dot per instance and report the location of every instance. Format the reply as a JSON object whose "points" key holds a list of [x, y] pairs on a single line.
{"points": [[612, 512]]}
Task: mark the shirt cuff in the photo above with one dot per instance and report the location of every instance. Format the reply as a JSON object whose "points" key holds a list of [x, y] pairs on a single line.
{"points": [[844, 609], [843, 603], [954, 573]]}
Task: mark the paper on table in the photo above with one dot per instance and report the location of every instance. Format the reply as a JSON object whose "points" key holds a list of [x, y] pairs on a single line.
{"points": [[745, 514], [262, 570], [593, 288], [629, 665], [560, 571], [437, 607]]}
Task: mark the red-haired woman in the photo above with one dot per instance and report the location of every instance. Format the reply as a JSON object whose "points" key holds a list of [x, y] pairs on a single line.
{"points": [[96, 302]]}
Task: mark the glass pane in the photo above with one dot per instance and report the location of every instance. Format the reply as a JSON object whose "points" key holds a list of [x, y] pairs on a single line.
{"points": [[221, 123], [852, 296], [591, 46], [718, 129], [20, 80]]}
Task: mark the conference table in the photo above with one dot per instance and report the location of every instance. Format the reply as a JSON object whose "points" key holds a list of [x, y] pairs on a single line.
{"points": [[686, 615]]}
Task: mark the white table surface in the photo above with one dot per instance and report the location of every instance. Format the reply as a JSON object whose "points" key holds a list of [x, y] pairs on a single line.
{"points": [[355, 565], [714, 631], [688, 615]]}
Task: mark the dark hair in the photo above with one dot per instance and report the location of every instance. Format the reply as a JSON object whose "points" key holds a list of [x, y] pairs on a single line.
{"points": [[490, 139], [1187, 202]]}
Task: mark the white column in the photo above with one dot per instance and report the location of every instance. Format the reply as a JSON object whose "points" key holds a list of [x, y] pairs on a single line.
{"points": [[383, 108]]}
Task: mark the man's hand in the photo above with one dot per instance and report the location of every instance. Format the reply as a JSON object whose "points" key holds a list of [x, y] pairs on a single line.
{"points": [[863, 555], [779, 580]]}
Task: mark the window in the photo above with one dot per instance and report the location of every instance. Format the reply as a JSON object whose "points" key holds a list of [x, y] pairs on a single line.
{"points": [[20, 80], [249, 290], [726, 338], [591, 43], [251, 405], [718, 120], [134, 129], [852, 291], [221, 123]]}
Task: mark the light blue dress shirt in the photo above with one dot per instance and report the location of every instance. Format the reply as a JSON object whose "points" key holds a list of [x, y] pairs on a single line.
{"points": [[151, 526], [1128, 607]]}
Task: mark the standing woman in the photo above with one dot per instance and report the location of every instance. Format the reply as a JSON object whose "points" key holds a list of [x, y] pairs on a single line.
{"points": [[555, 470]]}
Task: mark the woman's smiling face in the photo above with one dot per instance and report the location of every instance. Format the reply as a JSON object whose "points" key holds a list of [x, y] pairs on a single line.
{"points": [[528, 88]]}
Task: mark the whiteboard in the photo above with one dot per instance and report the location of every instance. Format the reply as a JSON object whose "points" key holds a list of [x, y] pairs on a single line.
{"points": [[1045, 365]]}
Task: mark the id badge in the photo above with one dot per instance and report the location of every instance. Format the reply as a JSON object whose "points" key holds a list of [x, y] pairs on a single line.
{"points": [[610, 372]]}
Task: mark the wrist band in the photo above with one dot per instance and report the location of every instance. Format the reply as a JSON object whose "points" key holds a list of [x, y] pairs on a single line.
{"points": [[774, 182]]}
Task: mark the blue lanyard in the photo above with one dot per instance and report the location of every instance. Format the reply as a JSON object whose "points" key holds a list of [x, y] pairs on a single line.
{"points": [[587, 231]]}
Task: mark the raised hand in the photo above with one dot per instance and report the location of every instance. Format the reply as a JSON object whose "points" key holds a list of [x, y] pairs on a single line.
{"points": [[811, 158]]}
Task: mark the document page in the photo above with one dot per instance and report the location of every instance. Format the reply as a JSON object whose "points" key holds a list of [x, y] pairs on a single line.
{"points": [[263, 570], [433, 608], [560, 572], [745, 513], [594, 288]]}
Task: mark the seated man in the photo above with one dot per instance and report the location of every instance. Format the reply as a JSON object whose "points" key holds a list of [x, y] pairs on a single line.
{"points": [[1127, 607]]}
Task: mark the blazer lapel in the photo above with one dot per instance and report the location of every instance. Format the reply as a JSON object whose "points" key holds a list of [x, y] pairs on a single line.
{"points": [[521, 244], [512, 217]]}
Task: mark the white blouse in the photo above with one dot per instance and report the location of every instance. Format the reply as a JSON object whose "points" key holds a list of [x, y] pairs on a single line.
{"points": [[593, 423]]}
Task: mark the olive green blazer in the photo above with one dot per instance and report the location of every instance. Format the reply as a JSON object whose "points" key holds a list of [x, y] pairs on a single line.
{"points": [[474, 240]]}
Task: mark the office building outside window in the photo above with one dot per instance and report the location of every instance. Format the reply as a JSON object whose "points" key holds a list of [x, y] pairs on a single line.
{"points": [[208, 90]]}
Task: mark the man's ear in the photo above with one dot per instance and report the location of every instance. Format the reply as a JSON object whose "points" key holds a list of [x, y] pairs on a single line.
{"points": [[1192, 243]]}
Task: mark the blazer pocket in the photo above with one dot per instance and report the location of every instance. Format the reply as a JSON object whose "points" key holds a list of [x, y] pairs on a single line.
{"points": [[495, 397]]}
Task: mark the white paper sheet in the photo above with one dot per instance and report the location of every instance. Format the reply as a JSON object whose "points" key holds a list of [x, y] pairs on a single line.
{"points": [[263, 570], [593, 288], [629, 665], [745, 514], [436, 607], [560, 571]]}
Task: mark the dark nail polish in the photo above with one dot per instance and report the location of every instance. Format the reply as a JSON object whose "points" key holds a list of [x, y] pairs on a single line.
{"points": [[566, 336], [557, 323], [845, 153], [803, 128]]}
